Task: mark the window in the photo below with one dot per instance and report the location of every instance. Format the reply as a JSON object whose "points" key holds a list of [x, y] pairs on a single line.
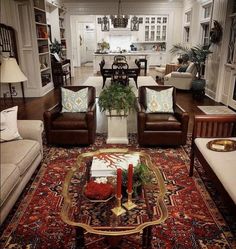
{"points": [[231, 58], [188, 17], [207, 11], [186, 34], [205, 33]]}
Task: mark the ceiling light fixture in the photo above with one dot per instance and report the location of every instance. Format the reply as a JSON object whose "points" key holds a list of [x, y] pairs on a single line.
{"points": [[119, 20]]}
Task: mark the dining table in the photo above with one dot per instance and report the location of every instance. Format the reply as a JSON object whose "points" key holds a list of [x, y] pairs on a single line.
{"points": [[132, 72]]}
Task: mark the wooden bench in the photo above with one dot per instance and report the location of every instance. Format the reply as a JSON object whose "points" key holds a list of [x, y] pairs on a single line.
{"points": [[219, 166]]}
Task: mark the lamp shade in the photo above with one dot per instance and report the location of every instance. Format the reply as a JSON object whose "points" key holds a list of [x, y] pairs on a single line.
{"points": [[11, 72]]}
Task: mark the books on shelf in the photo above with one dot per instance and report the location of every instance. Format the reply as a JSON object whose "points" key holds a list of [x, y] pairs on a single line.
{"points": [[107, 164]]}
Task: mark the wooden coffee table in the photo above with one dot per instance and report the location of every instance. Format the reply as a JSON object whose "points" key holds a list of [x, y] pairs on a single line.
{"points": [[97, 218]]}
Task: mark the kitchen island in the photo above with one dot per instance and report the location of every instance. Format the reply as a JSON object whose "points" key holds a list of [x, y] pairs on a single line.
{"points": [[153, 58]]}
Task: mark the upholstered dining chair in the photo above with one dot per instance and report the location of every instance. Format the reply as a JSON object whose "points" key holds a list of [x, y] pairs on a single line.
{"points": [[120, 73], [161, 121], [72, 121]]}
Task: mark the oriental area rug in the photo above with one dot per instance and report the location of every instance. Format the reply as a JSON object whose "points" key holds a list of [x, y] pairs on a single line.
{"points": [[194, 220]]}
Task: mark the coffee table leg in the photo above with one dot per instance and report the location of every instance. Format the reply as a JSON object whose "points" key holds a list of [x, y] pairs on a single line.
{"points": [[147, 237], [79, 240]]}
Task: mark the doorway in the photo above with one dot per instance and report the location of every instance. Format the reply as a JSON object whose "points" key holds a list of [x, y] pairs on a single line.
{"points": [[88, 43]]}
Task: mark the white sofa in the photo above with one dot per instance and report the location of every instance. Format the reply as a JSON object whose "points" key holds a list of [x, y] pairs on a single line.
{"points": [[220, 166], [19, 159], [181, 80]]}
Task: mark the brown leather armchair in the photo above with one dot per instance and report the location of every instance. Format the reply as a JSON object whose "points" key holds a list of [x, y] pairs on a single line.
{"points": [[71, 128], [161, 128]]}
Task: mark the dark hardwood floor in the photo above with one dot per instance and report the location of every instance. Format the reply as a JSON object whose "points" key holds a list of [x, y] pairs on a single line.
{"points": [[33, 108]]}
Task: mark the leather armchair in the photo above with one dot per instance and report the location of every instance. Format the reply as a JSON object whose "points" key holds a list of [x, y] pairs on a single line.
{"points": [[71, 128], [161, 128]]}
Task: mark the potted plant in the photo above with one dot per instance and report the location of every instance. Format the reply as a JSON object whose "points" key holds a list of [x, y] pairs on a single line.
{"points": [[198, 55], [117, 100], [55, 47], [117, 97]]}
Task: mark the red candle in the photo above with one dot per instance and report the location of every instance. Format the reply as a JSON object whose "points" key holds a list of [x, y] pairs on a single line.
{"points": [[130, 177], [119, 179]]}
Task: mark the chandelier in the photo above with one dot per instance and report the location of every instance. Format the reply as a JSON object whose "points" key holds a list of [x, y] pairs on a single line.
{"points": [[119, 20]]}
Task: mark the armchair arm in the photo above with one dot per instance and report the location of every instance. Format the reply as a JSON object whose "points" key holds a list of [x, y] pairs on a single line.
{"points": [[31, 129], [51, 114], [181, 75], [182, 116], [139, 107]]}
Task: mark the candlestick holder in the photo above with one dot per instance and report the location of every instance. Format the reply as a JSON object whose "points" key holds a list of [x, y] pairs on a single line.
{"points": [[129, 204], [118, 210]]}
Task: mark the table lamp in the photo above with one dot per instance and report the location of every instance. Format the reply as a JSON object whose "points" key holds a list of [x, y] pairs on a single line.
{"points": [[11, 73]]}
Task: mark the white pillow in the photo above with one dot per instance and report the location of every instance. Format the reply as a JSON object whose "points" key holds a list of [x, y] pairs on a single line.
{"points": [[159, 101], [74, 101], [9, 129]]}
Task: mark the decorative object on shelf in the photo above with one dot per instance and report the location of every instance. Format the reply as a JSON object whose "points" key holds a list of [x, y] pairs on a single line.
{"points": [[216, 32], [134, 23], [11, 73], [119, 20], [105, 24], [117, 97]]}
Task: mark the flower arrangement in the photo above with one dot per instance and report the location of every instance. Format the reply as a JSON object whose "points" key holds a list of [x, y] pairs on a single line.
{"points": [[98, 191]]}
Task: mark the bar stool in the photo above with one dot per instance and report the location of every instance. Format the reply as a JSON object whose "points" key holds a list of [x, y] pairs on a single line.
{"points": [[143, 65]]}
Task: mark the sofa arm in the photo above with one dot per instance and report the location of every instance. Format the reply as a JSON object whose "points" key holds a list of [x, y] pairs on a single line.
{"points": [[181, 75], [31, 129]]}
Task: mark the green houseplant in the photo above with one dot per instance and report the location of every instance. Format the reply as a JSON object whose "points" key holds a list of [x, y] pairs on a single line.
{"points": [[197, 54], [55, 47], [117, 97]]}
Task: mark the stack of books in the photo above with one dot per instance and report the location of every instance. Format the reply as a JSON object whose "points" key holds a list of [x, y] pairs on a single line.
{"points": [[107, 164]]}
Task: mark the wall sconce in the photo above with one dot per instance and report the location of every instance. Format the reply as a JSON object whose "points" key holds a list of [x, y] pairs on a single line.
{"points": [[134, 23], [105, 24]]}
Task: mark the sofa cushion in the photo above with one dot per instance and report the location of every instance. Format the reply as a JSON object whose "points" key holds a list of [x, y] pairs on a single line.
{"points": [[70, 121], [10, 176], [9, 130], [21, 153], [162, 122], [222, 163]]}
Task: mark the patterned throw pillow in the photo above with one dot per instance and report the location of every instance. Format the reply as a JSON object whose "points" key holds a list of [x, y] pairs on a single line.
{"points": [[159, 101], [74, 101], [9, 129], [182, 69]]}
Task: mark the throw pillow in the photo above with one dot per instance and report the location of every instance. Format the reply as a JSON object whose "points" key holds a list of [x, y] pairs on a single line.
{"points": [[74, 101], [159, 101], [182, 69], [9, 129]]}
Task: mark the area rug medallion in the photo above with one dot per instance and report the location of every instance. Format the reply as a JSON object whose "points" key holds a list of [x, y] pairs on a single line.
{"points": [[193, 220]]}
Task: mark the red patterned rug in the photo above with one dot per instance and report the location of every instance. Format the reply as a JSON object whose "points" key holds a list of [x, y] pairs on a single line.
{"points": [[193, 221]]}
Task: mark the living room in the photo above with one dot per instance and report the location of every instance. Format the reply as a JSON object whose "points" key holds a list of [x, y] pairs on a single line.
{"points": [[189, 210]]}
